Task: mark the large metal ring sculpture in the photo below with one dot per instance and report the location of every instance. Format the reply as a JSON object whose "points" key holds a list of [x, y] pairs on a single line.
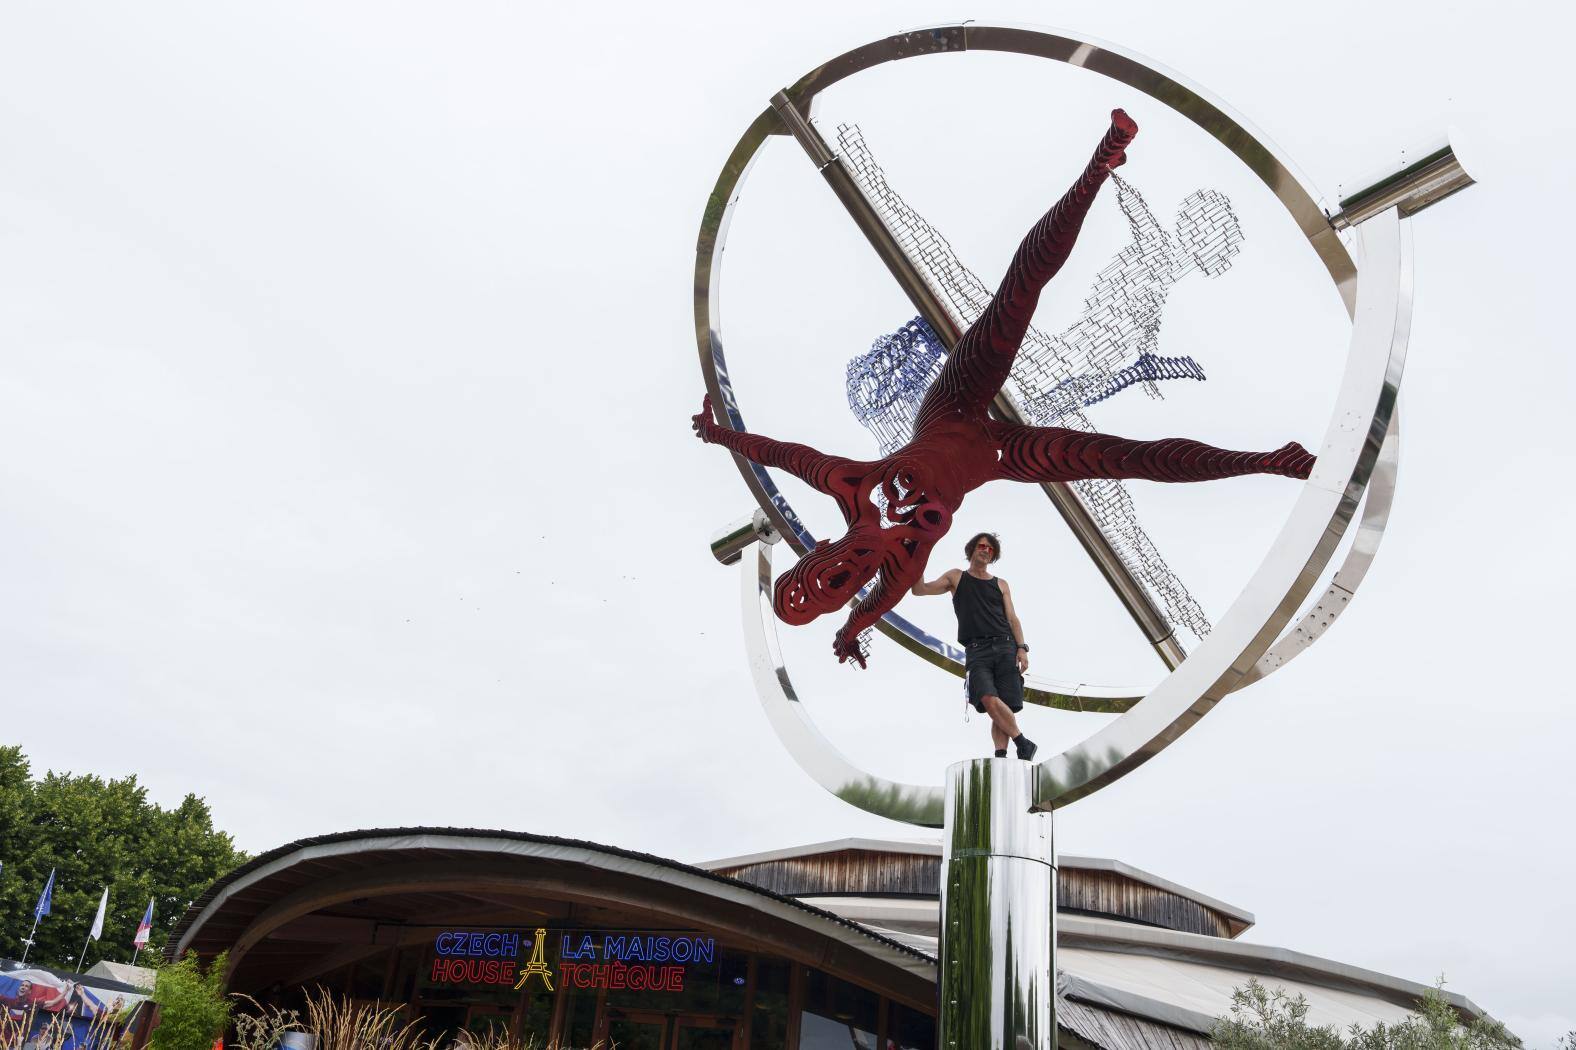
{"points": [[1358, 454]]}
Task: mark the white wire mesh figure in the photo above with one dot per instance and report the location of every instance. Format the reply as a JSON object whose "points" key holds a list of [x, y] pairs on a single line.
{"points": [[1111, 347], [1114, 344]]}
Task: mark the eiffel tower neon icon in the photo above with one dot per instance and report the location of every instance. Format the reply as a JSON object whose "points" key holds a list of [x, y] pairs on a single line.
{"points": [[537, 964]]}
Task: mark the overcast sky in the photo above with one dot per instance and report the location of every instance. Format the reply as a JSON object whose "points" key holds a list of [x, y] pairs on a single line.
{"points": [[348, 357]]}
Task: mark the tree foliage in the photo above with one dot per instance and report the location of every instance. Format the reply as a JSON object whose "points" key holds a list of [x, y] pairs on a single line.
{"points": [[98, 833], [1264, 1020], [193, 1009]]}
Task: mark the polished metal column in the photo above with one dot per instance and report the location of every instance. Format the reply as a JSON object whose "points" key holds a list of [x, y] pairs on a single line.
{"points": [[998, 915]]}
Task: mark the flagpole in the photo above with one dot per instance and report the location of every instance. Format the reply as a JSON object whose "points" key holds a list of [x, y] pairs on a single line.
{"points": [[144, 927], [29, 941], [96, 930], [40, 910]]}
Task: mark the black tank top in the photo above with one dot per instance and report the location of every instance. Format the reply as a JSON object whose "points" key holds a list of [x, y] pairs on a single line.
{"points": [[982, 615]]}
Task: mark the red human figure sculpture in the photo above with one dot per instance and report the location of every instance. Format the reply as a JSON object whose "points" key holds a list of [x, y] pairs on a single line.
{"points": [[957, 447]]}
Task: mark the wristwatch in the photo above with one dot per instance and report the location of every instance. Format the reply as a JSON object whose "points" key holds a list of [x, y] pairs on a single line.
{"points": [[1024, 646]]}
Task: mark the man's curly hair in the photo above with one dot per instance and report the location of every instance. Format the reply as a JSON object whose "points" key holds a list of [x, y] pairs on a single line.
{"points": [[968, 548]]}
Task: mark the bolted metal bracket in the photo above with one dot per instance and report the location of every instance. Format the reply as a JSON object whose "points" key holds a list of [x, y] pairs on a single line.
{"points": [[729, 544], [1414, 187]]}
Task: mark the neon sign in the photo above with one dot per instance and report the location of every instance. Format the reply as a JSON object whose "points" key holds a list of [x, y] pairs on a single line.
{"points": [[477, 945], [464, 957], [635, 948], [635, 961], [641, 976], [625, 960], [537, 967], [472, 971]]}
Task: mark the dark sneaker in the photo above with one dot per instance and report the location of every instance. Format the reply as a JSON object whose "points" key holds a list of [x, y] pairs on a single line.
{"points": [[1026, 748]]}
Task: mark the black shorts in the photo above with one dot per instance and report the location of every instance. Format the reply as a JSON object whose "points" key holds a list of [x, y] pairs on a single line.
{"points": [[992, 670]]}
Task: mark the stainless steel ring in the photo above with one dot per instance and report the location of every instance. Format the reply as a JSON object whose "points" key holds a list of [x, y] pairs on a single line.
{"points": [[1358, 455]]}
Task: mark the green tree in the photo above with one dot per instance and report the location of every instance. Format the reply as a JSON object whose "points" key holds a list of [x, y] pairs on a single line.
{"points": [[193, 1009], [98, 833], [1264, 1020]]}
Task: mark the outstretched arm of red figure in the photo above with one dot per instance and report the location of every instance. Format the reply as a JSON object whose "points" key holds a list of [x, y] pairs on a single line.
{"points": [[895, 581], [867, 613], [1055, 454], [978, 365], [833, 475]]}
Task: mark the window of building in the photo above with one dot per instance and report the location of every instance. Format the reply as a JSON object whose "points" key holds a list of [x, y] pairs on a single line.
{"points": [[909, 1029], [837, 1015], [769, 1012], [536, 1017], [367, 976], [580, 1017], [406, 969]]}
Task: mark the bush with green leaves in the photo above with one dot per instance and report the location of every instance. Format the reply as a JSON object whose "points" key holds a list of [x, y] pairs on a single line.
{"points": [[1261, 1019], [193, 1009]]}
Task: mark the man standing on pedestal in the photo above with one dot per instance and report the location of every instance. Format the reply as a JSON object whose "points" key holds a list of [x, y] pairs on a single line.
{"points": [[992, 638]]}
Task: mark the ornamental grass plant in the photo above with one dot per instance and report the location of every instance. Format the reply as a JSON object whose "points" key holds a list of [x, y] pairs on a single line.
{"points": [[343, 1024], [102, 1032], [339, 1023], [258, 1027]]}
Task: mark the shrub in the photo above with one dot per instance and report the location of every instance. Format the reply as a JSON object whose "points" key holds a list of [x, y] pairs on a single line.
{"points": [[1264, 1020], [193, 1009]]}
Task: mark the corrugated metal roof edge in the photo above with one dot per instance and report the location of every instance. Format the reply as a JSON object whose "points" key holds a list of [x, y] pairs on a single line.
{"points": [[1093, 993], [1263, 960], [193, 910]]}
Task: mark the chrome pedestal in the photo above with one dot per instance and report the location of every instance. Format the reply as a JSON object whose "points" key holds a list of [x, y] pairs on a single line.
{"points": [[998, 915]]}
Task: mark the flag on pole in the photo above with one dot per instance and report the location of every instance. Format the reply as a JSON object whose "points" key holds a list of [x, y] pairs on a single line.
{"points": [[98, 920], [41, 909], [140, 941]]}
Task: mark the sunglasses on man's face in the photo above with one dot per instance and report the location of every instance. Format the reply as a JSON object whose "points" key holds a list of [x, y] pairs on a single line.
{"points": [[984, 547]]}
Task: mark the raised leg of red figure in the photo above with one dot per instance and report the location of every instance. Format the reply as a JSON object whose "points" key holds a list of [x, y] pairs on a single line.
{"points": [[979, 364], [833, 475], [1055, 454]]}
